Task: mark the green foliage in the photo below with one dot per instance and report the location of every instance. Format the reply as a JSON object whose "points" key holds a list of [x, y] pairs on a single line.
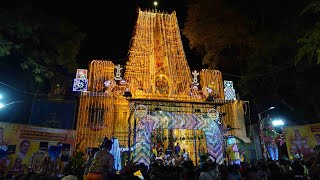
{"points": [[310, 43], [217, 31], [5, 47], [76, 162], [42, 45], [256, 40], [313, 7]]}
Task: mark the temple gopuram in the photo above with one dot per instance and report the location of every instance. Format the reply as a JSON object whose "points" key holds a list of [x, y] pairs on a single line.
{"points": [[155, 99]]}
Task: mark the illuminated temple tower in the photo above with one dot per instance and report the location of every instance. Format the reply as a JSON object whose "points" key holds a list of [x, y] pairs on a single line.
{"points": [[157, 65], [158, 77]]}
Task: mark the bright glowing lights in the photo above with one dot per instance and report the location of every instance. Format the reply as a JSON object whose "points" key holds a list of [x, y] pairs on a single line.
{"points": [[155, 3], [277, 122], [271, 108], [122, 82], [107, 83], [152, 29], [209, 90], [1, 105]]}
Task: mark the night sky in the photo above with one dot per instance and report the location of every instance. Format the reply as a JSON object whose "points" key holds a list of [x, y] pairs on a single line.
{"points": [[109, 27]]}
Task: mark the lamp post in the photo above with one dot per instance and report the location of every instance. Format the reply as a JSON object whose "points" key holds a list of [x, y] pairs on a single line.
{"points": [[261, 126]]}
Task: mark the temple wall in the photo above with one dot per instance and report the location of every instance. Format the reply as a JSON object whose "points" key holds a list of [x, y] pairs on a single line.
{"points": [[213, 80], [235, 119], [156, 69], [122, 112], [95, 119], [99, 72]]}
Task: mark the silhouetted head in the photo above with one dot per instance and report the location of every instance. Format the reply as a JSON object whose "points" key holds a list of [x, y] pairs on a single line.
{"points": [[107, 144]]}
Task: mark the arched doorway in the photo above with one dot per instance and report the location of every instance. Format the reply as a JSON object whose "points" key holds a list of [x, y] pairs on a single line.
{"points": [[146, 122]]}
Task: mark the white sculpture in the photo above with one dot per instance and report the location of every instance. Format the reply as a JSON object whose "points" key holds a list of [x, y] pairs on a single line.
{"points": [[195, 77], [118, 73]]}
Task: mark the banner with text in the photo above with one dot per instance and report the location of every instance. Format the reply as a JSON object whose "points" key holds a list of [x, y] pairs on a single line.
{"points": [[26, 145]]}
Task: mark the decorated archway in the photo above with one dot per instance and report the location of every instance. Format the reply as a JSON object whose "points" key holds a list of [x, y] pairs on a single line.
{"points": [[146, 122]]}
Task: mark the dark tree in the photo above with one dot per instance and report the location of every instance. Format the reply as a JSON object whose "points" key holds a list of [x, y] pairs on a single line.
{"points": [[44, 47], [256, 41], [218, 32], [310, 42]]}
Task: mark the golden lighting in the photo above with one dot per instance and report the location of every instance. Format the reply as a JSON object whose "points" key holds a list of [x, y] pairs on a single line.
{"points": [[212, 79], [99, 108], [99, 72], [156, 69], [156, 51], [235, 118], [95, 118]]}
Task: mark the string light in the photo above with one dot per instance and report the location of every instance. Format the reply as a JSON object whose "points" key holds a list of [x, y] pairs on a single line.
{"points": [[156, 69], [213, 80], [164, 57], [96, 108]]}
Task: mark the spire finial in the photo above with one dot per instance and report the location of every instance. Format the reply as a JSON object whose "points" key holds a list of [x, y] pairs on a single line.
{"points": [[155, 3]]}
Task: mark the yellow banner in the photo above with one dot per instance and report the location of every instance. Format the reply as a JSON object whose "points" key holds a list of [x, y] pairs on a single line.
{"points": [[302, 139], [26, 145]]}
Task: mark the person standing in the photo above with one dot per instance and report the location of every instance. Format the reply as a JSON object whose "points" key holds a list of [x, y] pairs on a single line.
{"points": [[201, 150], [317, 138], [269, 139], [89, 161], [243, 157], [177, 149], [154, 153], [185, 155], [103, 161]]}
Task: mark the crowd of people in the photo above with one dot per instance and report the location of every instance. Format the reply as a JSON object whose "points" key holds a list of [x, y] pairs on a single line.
{"points": [[169, 157], [177, 165], [209, 170]]}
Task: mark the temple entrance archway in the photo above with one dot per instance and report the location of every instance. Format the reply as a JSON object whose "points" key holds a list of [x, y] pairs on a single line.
{"points": [[147, 119]]}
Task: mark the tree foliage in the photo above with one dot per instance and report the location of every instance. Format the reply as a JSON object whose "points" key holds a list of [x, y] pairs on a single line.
{"points": [[46, 47], [310, 43], [257, 41], [216, 31]]}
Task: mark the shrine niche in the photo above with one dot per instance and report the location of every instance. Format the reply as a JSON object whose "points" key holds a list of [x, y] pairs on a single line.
{"points": [[162, 86], [149, 120]]}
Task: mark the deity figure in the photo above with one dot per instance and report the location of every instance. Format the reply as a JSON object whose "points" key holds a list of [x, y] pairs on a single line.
{"points": [[269, 138], [234, 155], [300, 144], [195, 78], [118, 73]]}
